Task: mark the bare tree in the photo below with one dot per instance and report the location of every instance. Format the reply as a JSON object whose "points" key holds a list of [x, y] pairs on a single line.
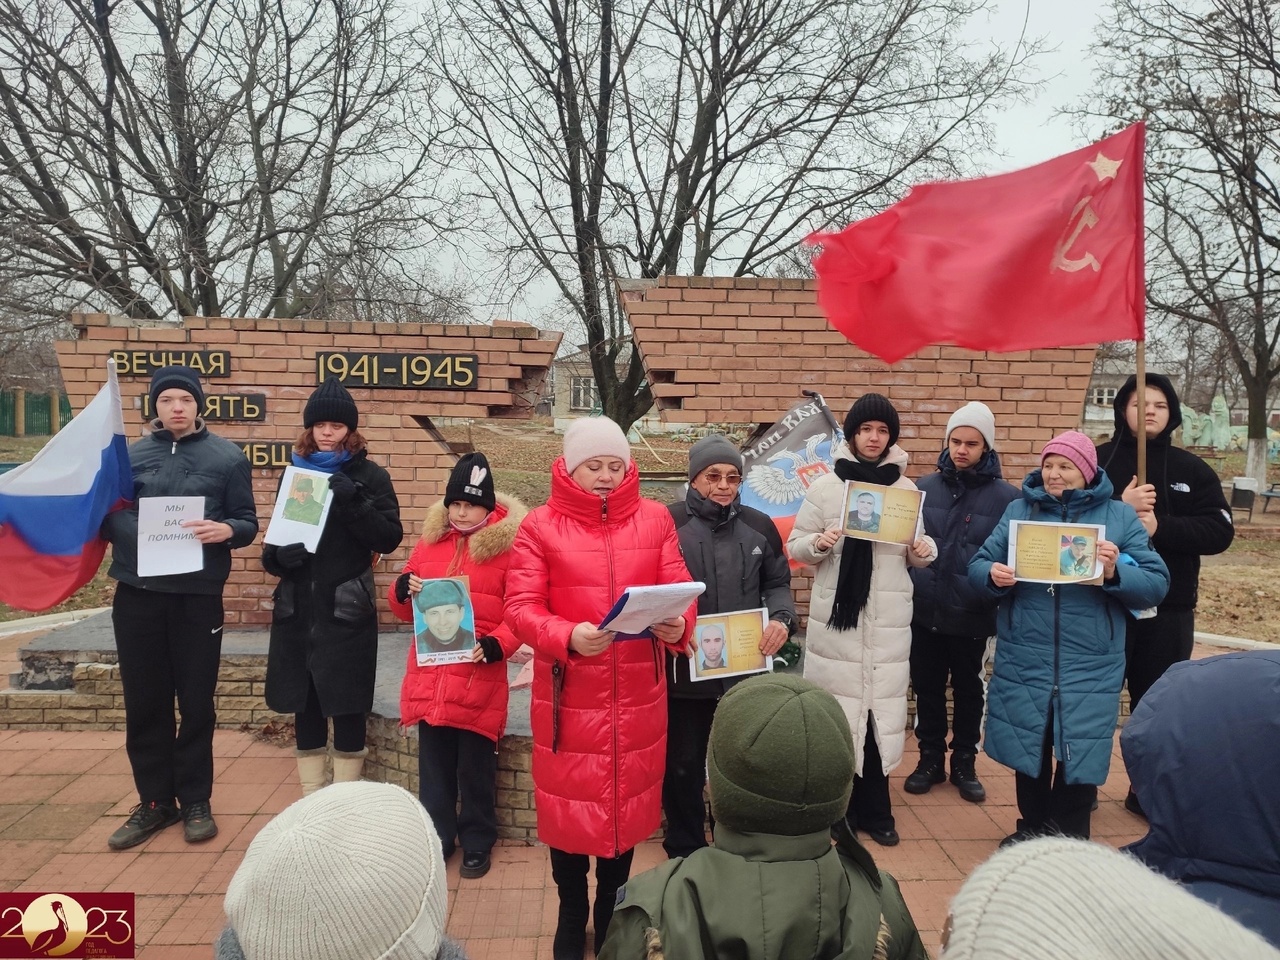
{"points": [[616, 139], [1205, 77], [165, 158]]}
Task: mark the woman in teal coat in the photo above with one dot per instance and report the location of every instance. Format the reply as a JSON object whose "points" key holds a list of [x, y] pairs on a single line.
{"points": [[1059, 661]]}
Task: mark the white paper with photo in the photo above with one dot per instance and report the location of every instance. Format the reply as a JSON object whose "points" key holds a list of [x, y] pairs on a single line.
{"points": [[640, 607], [1043, 552], [301, 509], [738, 635], [165, 547]]}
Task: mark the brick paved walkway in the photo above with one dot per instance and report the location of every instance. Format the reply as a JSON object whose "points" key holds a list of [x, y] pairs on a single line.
{"points": [[62, 794]]}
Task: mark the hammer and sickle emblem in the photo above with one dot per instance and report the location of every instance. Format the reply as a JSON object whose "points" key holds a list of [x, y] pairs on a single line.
{"points": [[1083, 217]]}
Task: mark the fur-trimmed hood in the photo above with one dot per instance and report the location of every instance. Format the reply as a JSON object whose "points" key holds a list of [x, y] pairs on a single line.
{"points": [[487, 542]]}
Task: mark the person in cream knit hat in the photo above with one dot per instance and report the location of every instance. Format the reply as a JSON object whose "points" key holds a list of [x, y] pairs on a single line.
{"points": [[352, 872], [1059, 899]]}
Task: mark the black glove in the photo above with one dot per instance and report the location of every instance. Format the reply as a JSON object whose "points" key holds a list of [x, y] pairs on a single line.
{"points": [[292, 555], [492, 649], [402, 587], [343, 488]]}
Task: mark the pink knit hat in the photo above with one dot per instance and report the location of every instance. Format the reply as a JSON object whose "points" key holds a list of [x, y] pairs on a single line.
{"points": [[1077, 448], [589, 437]]}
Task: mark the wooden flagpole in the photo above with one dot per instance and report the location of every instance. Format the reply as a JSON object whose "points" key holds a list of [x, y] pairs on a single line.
{"points": [[1140, 392]]}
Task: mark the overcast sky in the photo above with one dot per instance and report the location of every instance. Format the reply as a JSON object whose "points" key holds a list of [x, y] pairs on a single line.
{"points": [[1029, 134]]}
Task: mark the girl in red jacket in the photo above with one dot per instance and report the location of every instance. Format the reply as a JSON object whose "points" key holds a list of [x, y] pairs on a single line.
{"points": [[461, 708], [599, 710]]}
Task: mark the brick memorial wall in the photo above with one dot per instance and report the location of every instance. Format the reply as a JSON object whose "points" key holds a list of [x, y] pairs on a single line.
{"points": [[257, 375], [740, 350]]}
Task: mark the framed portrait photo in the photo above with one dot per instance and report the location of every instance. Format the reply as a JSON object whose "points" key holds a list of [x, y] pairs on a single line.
{"points": [[444, 622], [885, 514], [728, 645], [1055, 552]]}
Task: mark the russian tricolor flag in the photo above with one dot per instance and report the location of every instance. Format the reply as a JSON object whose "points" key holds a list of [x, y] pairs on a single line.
{"points": [[51, 508]]}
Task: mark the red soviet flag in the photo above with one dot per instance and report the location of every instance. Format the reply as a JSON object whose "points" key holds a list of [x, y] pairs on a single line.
{"points": [[1043, 257]]}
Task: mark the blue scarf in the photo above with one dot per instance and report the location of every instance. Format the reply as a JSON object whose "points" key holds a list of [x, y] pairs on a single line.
{"points": [[326, 461]]}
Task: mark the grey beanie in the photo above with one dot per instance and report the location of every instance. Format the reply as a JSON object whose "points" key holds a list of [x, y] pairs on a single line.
{"points": [[354, 870], [715, 448], [1060, 899]]}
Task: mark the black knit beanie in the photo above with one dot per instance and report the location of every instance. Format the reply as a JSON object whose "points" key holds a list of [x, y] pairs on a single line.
{"points": [[176, 378], [331, 403], [780, 759], [871, 406], [472, 481]]}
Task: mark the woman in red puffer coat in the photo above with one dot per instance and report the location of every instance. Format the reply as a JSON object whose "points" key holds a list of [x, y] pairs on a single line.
{"points": [[461, 708], [599, 705]]}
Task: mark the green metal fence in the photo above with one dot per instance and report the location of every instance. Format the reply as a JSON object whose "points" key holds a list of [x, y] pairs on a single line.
{"points": [[39, 417]]}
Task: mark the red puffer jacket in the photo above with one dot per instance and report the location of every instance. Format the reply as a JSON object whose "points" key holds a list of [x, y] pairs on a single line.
{"points": [[469, 696], [598, 760]]}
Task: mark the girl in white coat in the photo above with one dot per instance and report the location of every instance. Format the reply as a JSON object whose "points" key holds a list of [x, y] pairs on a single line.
{"points": [[858, 644]]}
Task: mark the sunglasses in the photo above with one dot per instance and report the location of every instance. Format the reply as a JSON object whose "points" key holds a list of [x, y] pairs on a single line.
{"points": [[715, 479]]}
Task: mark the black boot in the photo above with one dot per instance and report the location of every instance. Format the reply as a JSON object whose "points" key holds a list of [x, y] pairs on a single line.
{"points": [[930, 770], [965, 779], [610, 876], [570, 874]]}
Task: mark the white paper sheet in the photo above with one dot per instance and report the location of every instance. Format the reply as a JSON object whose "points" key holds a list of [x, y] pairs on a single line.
{"points": [[300, 513], [165, 547], [638, 607]]}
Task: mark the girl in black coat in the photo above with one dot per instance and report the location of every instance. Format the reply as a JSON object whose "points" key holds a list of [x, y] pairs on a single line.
{"points": [[324, 629]]}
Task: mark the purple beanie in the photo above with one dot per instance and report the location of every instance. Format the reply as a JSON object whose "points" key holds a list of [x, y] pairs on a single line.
{"points": [[1077, 448]]}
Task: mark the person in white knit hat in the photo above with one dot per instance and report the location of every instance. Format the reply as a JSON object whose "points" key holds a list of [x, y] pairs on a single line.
{"points": [[352, 872], [1059, 899], [951, 620]]}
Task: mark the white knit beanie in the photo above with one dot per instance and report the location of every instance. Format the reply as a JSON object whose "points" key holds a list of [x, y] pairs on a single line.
{"points": [[977, 415], [1056, 899], [589, 437], [352, 872]]}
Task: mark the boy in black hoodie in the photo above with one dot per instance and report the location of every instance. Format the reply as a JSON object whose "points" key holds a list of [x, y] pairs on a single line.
{"points": [[1184, 511]]}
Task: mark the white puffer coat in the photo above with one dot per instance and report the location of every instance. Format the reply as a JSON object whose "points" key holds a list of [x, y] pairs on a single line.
{"points": [[866, 668]]}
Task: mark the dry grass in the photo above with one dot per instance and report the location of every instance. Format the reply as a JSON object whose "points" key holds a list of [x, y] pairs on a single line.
{"points": [[1239, 590]]}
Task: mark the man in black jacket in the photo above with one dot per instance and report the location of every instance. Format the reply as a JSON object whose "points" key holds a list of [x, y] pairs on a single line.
{"points": [[169, 628], [737, 552], [951, 621], [1186, 514]]}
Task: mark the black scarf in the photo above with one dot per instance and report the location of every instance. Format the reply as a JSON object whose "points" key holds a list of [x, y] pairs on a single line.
{"points": [[854, 584]]}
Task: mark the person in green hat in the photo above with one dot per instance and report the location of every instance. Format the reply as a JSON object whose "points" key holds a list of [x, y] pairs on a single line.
{"points": [[780, 763]]}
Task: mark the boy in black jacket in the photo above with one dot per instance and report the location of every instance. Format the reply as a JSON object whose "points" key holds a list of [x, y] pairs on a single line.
{"points": [[951, 621], [1186, 514], [168, 629]]}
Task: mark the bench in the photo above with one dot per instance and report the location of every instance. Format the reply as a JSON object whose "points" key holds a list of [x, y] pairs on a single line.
{"points": [[1271, 493]]}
